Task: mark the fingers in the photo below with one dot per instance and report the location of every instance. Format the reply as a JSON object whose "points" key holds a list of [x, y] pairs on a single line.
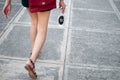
{"points": [[63, 9], [6, 12], [62, 6], [3, 12]]}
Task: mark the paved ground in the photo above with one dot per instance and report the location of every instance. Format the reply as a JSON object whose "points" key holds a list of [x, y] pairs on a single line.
{"points": [[86, 47]]}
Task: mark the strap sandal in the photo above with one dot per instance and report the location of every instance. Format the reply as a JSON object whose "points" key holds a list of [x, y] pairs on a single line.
{"points": [[31, 54], [31, 70]]}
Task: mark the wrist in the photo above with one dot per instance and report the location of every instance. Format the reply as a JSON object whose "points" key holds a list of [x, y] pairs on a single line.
{"points": [[8, 1], [61, 0]]}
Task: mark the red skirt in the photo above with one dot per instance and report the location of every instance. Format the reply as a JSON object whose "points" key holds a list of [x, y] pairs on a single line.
{"points": [[41, 5]]}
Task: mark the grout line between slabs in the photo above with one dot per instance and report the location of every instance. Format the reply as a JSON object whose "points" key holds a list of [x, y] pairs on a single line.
{"points": [[25, 59], [68, 26], [85, 9], [93, 66], [20, 14], [97, 30], [115, 8], [50, 25]]}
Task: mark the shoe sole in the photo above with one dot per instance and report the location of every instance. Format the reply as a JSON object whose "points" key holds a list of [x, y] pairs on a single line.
{"points": [[30, 72]]}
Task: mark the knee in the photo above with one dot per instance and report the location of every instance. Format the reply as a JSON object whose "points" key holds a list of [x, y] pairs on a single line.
{"points": [[34, 23], [41, 29]]}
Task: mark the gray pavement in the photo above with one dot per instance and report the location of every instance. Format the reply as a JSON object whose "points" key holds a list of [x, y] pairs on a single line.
{"points": [[85, 47]]}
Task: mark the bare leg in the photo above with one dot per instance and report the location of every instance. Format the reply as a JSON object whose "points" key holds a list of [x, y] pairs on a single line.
{"points": [[33, 33], [33, 28], [43, 18]]}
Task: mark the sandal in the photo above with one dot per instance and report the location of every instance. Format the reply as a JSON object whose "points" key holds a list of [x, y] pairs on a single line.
{"points": [[30, 70], [31, 54]]}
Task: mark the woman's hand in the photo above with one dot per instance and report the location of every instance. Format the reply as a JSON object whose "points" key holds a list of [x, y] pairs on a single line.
{"points": [[7, 8], [62, 5]]}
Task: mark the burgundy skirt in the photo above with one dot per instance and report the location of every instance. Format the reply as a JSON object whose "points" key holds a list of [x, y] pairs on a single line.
{"points": [[25, 3]]}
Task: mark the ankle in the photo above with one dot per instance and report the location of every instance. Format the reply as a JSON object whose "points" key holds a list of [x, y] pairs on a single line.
{"points": [[33, 60]]}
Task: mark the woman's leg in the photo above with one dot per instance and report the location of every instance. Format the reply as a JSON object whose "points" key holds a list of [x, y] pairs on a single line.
{"points": [[43, 18], [33, 32], [33, 28]]}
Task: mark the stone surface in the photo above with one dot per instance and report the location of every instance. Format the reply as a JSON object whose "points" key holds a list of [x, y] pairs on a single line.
{"points": [[54, 46], [92, 4], [95, 20], [116, 0], [19, 46], [14, 70], [24, 17], [14, 45], [83, 73], [93, 48], [117, 3], [2, 27]]}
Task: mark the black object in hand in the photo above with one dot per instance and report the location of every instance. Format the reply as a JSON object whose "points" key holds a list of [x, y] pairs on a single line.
{"points": [[61, 20]]}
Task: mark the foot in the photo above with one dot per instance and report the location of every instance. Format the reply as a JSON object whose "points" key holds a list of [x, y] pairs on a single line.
{"points": [[30, 67]]}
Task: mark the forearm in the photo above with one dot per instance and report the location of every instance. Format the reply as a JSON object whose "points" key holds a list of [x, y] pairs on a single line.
{"points": [[61, 0], [7, 1]]}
